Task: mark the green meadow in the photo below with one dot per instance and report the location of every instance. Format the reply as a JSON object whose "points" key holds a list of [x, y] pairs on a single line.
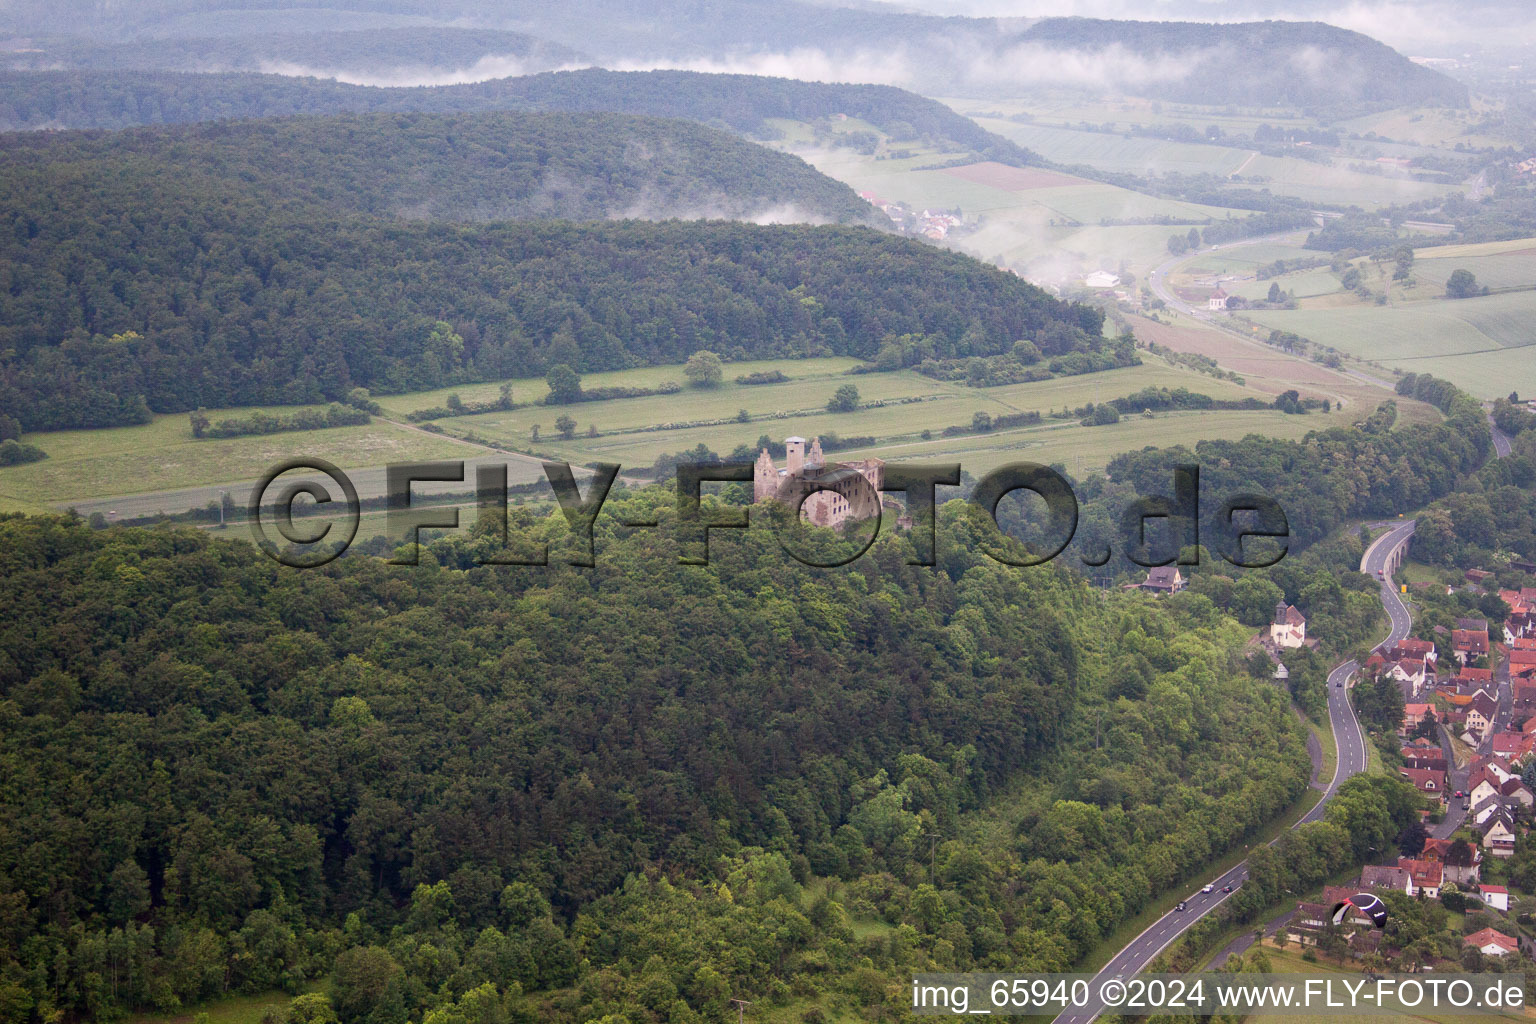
{"points": [[1482, 344], [634, 431], [163, 455]]}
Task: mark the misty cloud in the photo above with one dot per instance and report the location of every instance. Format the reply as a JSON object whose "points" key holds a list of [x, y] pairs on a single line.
{"points": [[483, 70]]}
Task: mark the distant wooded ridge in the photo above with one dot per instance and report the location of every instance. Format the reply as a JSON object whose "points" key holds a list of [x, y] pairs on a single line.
{"points": [[1272, 63], [470, 167], [739, 103]]}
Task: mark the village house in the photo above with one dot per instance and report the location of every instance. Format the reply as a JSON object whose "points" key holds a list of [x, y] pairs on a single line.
{"points": [[1218, 299], [1460, 865], [1473, 679], [1498, 834], [1386, 877], [1424, 876], [1410, 673], [1428, 782], [1412, 647], [1521, 661], [1480, 714], [1496, 896], [1413, 714], [1486, 777], [1491, 943], [1516, 791], [1469, 645], [1289, 628], [1487, 807], [1164, 579], [1514, 746], [1425, 758]]}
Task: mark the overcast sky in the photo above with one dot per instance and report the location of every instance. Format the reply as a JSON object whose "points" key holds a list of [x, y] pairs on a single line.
{"points": [[1414, 26]]}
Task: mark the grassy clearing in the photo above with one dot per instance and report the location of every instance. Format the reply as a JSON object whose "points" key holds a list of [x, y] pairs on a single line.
{"points": [[163, 455], [230, 1010], [1330, 751], [626, 428], [1087, 449]]}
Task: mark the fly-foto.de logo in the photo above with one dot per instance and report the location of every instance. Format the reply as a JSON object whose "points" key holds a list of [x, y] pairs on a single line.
{"points": [[849, 498]]}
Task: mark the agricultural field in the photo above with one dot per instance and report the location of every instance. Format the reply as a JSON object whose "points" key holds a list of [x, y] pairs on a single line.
{"points": [[1049, 227], [1059, 134], [527, 390], [1302, 284], [1271, 371], [1337, 183], [1498, 265], [627, 432], [1070, 109], [159, 466], [1481, 344], [1440, 129], [1120, 154], [1088, 449], [1247, 259], [163, 455]]}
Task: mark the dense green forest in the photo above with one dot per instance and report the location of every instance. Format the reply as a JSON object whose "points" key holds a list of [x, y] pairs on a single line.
{"points": [[129, 290], [373, 51], [642, 788], [740, 103], [466, 167]]}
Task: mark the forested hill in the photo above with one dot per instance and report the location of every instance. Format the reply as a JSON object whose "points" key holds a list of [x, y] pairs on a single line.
{"points": [[382, 53], [498, 794], [127, 289], [467, 167], [741, 103], [1307, 64]]}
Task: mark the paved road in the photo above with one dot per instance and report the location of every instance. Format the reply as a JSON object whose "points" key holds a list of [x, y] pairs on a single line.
{"points": [[1500, 439], [1350, 742]]}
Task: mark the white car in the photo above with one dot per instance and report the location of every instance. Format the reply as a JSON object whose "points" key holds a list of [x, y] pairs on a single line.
{"points": [[1208, 889]]}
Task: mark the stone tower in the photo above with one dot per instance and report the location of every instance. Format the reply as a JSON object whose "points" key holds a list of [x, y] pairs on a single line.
{"points": [[765, 477], [794, 454]]}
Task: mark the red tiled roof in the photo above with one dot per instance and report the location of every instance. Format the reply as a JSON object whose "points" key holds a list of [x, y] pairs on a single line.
{"points": [[1488, 937], [1426, 780], [1423, 872]]}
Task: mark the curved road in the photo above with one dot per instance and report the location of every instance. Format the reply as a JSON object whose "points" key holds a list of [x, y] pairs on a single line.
{"points": [[1500, 439], [1350, 742]]}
